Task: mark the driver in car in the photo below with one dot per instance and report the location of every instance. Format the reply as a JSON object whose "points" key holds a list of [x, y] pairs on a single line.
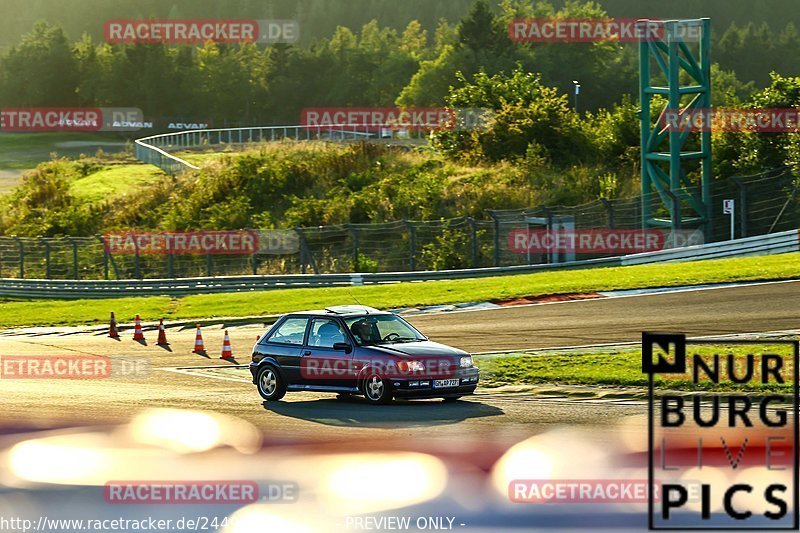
{"points": [[365, 332]]}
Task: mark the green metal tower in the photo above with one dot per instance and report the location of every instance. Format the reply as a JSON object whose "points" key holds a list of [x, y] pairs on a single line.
{"points": [[680, 52]]}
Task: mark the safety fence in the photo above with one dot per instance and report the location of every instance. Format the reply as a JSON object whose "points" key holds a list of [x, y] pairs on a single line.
{"points": [[159, 150], [765, 203], [782, 242]]}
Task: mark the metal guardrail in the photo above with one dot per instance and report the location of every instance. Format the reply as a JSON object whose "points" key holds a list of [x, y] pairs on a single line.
{"points": [[776, 243], [155, 150]]}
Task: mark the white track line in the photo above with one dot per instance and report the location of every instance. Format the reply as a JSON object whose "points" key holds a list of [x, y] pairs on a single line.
{"points": [[202, 374]]}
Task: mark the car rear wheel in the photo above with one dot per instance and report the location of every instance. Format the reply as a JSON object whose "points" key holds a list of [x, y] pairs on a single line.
{"points": [[376, 389], [270, 384]]}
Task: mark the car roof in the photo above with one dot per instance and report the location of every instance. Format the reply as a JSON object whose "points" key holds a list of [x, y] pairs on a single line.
{"points": [[343, 311]]}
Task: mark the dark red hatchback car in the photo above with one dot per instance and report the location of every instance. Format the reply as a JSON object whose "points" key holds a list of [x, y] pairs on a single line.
{"points": [[358, 350]]}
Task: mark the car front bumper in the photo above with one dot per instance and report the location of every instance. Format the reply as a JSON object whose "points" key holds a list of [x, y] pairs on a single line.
{"points": [[424, 387]]}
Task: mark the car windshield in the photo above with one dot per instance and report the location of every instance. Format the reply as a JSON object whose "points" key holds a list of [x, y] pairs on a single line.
{"points": [[382, 329]]}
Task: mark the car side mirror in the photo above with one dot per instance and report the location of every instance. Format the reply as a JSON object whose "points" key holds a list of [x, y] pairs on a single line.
{"points": [[343, 346]]}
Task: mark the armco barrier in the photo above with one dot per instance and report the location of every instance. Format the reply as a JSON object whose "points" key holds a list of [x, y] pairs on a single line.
{"points": [[775, 243], [155, 149]]}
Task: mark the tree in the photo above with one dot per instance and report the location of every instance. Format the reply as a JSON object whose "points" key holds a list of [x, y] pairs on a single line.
{"points": [[40, 71], [232, 80], [751, 152], [480, 30], [525, 114], [480, 44], [414, 41]]}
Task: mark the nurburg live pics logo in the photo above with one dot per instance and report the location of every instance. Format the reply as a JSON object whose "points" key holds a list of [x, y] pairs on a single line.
{"points": [[741, 446]]}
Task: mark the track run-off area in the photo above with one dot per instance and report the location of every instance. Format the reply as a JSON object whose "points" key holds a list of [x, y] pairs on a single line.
{"points": [[177, 378]]}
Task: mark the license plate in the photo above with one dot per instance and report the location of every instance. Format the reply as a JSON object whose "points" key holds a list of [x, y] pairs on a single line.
{"points": [[441, 383]]}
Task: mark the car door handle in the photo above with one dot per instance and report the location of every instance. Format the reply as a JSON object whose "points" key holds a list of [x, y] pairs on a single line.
{"points": [[307, 352]]}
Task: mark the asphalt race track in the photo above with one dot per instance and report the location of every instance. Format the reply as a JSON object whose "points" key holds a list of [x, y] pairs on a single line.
{"points": [[740, 309], [53, 403]]}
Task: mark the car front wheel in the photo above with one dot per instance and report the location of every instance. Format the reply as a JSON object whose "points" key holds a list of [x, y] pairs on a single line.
{"points": [[270, 384], [376, 389]]}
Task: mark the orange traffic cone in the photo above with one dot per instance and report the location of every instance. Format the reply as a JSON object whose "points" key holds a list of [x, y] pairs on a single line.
{"points": [[112, 328], [137, 330], [162, 334], [198, 342], [227, 353]]}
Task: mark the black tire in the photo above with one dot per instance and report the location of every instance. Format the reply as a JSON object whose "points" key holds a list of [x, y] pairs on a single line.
{"points": [[270, 384], [376, 388], [451, 399]]}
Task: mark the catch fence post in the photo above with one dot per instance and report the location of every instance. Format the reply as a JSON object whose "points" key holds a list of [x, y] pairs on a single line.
{"points": [[412, 244], [46, 257], [74, 257], [354, 234], [302, 241], [609, 205], [137, 271], [742, 205], [105, 255], [474, 240], [496, 238], [21, 257]]}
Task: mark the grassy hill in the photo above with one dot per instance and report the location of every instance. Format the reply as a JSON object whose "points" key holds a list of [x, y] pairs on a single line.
{"points": [[282, 185]]}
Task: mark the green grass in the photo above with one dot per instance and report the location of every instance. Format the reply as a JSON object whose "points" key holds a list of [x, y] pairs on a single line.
{"points": [[114, 181], [218, 152], [201, 158], [22, 151], [622, 367], [81, 311], [55, 312]]}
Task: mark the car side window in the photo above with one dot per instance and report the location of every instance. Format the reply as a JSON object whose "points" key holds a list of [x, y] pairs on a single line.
{"points": [[325, 333], [291, 331]]}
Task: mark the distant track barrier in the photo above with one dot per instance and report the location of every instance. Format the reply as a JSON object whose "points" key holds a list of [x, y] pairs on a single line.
{"points": [[776, 243], [157, 149], [766, 204], [507, 241]]}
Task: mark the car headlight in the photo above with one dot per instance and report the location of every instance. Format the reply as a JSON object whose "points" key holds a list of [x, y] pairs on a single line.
{"points": [[466, 361]]}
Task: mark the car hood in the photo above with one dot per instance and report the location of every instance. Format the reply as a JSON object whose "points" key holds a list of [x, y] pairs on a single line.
{"points": [[419, 350]]}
